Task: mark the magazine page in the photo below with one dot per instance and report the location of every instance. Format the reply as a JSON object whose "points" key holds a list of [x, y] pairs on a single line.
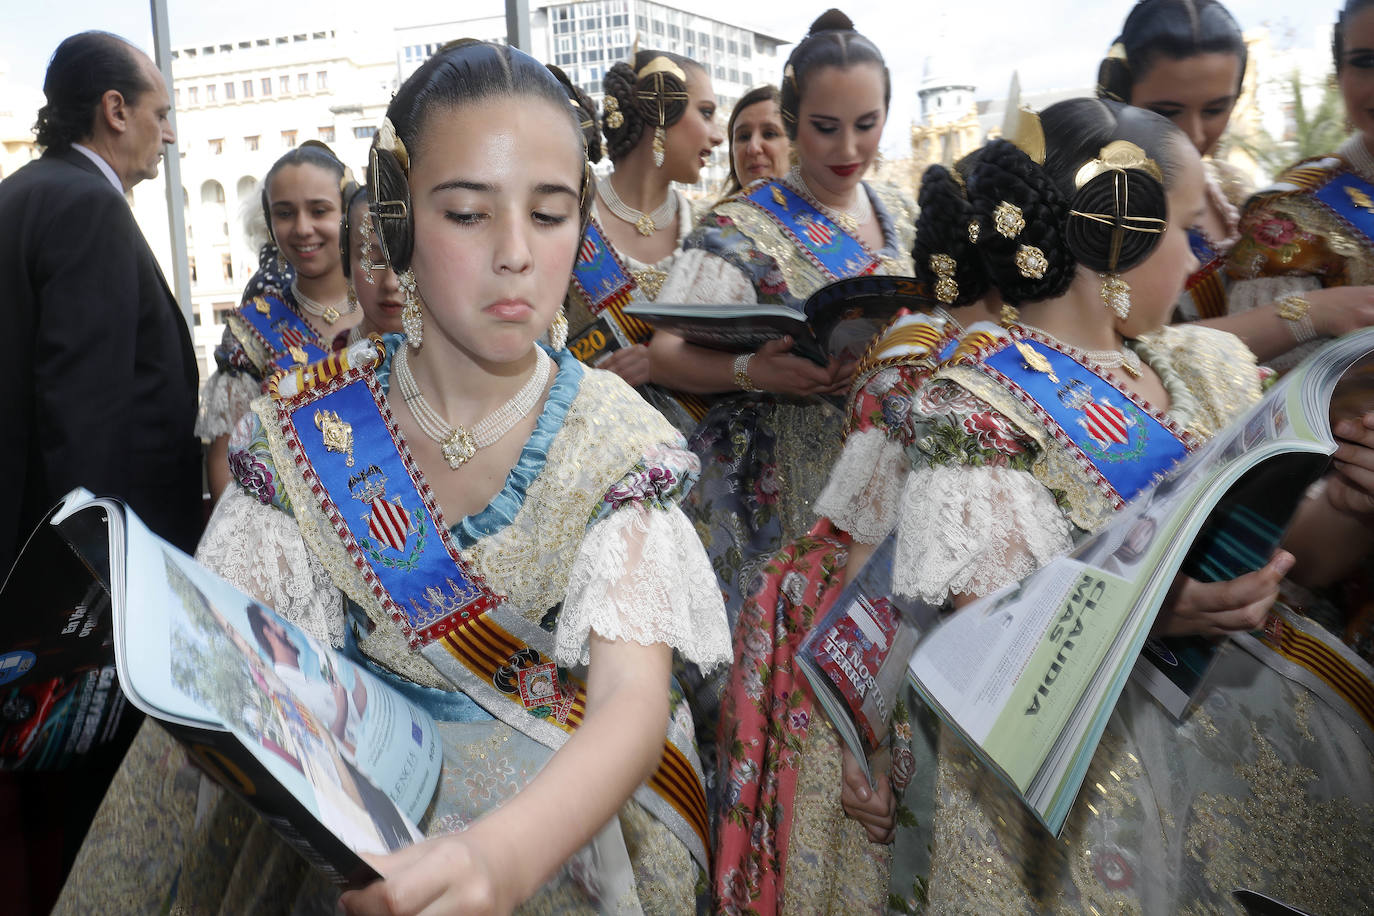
{"points": [[595, 343], [847, 315], [360, 758]]}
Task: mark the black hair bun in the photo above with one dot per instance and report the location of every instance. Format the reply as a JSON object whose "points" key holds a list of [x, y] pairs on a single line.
{"points": [[1114, 79], [942, 228], [586, 112], [622, 133], [1033, 262], [1124, 208], [832, 20]]}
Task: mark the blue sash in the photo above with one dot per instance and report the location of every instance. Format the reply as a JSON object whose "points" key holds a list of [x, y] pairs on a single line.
{"points": [[826, 245], [1117, 441], [1352, 199], [389, 523], [599, 274], [282, 332]]}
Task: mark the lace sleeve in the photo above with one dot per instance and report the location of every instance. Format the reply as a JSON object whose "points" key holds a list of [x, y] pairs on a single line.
{"points": [[259, 549], [864, 493], [971, 530], [701, 276], [642, 575], [224, 401]]}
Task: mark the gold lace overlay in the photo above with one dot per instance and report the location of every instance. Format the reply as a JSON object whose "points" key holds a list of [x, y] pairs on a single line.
{"points": [[1310, 853], [896, 215], [257, 354], [831, 865]]}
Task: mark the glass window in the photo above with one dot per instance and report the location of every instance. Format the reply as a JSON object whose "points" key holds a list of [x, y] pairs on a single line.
{"points": [[720, 44], [176, 97], [216, 146], [226, 263], [284, 84], [229, 92], [364, 133], [247, 89], [267, 85], [250, 144], [210, 94], [303, 82], [327, 134], [194, 93], [288, 139], [322, 80], [733, 46]]}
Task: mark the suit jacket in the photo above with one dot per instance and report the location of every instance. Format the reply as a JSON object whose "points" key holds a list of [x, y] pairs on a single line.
{"points": [[98, 382]]}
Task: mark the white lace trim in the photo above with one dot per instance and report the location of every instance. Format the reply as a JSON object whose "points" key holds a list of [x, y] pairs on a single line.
{"points": [[259, 549], [641, 574], [864, 495], [971, 530], [223, 402], [700, 276]]}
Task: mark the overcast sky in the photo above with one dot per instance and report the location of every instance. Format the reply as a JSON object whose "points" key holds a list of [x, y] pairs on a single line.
{"points": [[1052, 45]]}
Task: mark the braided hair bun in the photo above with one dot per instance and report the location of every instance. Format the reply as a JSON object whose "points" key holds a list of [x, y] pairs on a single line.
{"points": [[585, 109], [1116, 219], [942, 228], [1021, 214], [633, 99]]}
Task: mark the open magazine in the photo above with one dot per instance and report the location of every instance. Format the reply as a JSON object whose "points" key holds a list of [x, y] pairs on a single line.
{"points": [[1029, 675], [334, 759], [838, 321]]}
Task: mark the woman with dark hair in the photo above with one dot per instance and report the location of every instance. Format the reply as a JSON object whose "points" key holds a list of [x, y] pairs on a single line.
{"points": [[985, 474], [1302, 246], [566, 541], [1185, 60], [766, 451], [759, 146], [659, 120], [371, 283], [302, 203]]}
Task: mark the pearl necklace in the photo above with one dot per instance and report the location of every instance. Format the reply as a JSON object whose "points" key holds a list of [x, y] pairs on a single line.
{"points": [[329, 313], [1125, 358], [457, 443], [850, 218], [645, 224]]}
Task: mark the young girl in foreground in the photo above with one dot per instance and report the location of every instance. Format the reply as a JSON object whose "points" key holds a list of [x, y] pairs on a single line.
{"points": [[562, 518]]}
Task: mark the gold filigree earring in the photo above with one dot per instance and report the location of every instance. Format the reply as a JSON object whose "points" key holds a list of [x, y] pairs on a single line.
{"points": [[946, 289], [412, 321], [558, 331], [1116, 294], [660, 145]]}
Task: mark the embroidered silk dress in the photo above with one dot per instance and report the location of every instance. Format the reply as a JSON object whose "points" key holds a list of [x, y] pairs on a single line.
{"points": [[785, 843], [585, 535], [605, 280], [764, 458], [1267, 786]]}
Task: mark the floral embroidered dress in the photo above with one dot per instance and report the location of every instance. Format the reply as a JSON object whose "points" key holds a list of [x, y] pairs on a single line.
{"points": [[785, 844], [1266, 786], [605, 280], [764, 458], [244, 358], [1293, 242], [585, 535]]}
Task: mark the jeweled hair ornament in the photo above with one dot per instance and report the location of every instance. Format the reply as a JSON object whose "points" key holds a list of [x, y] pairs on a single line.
{"points": [[388, 140], [658, 94], [1029, 136]]}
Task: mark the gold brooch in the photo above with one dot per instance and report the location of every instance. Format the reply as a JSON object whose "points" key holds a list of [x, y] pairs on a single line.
{"points": [[613, 118], [1008, 221], [973, 230], [337, 434], [779, 198], [1031, 262], [1036, 360], [1360, 199], [946, 290]]}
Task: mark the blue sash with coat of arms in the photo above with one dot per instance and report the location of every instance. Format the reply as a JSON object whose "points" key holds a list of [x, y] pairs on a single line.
{"points": [[281, 331], [827, 246], [607, 285], [1351, 198], [389, 523], [1121, 445]]}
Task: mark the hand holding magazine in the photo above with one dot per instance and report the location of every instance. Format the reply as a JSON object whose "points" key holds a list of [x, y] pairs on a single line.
{"points": [[838, 321], [334, 759], [1029, 675]]}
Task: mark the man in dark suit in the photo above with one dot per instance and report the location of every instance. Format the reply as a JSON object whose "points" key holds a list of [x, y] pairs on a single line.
{"points": [[97, 387]]}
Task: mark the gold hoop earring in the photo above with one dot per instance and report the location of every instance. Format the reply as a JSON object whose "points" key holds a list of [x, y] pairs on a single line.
{"points": [[412, 321]]}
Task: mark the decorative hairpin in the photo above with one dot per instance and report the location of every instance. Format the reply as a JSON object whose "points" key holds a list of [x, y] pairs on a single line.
{"points": [[389, 140], [946, 289], [1117, 156]]}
